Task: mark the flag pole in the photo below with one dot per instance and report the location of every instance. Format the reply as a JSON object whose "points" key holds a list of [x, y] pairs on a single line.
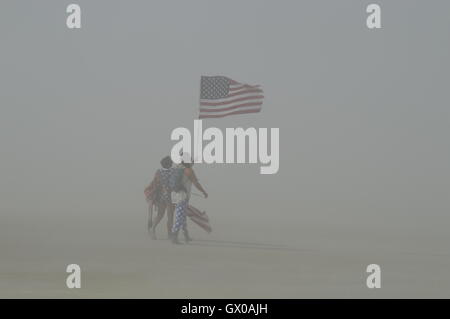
{"points": [[196, 194], [199, 138]]}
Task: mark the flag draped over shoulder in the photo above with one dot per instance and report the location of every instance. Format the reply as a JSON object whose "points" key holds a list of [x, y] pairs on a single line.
{"points": [[152, 191], [221, 96]]}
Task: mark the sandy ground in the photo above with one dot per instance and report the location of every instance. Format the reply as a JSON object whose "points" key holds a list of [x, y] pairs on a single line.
{"points": [[237, 260]]}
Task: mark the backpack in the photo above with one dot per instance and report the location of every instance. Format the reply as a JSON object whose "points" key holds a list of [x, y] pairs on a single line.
{"points": [[175, 180]]}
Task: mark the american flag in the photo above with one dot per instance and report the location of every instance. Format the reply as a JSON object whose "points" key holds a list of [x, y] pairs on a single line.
{"points": [[198, 217], [221, 96]]}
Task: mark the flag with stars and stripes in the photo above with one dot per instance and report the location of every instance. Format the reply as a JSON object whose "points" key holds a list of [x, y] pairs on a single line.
{"points": [[221, 96], [198, 217]]}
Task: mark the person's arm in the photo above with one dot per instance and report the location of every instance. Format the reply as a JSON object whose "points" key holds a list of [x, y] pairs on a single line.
{"points": [[156, 178], [191, 175]]}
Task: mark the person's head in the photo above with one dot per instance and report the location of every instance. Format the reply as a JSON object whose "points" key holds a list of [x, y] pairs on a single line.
{"points": [[186, 160], [166, 162]]}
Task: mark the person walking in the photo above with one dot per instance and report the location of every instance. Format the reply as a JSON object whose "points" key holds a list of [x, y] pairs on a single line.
{"points": [[163, 201], [181, 196]]}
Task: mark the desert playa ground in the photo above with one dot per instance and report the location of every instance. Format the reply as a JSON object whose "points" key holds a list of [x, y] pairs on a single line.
{"points": [[238, 260]]}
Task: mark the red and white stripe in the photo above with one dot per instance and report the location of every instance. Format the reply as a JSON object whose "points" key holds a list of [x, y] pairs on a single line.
{"points": [[241, 99], [198, 217]]}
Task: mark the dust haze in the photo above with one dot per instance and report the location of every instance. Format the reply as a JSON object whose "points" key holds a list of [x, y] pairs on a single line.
{"points": [[86, 116]]}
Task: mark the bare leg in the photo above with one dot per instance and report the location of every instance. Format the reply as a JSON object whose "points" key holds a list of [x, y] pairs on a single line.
{"points": [[187, 238], [150, 216], [170, 211], [161, 210]]}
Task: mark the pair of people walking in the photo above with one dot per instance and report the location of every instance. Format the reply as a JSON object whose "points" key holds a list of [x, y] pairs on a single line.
{"points": [[170, 192]]}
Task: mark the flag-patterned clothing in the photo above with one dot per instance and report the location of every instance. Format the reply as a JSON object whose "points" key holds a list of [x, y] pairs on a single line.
{"points": [[164, 177], [180, 216]]}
